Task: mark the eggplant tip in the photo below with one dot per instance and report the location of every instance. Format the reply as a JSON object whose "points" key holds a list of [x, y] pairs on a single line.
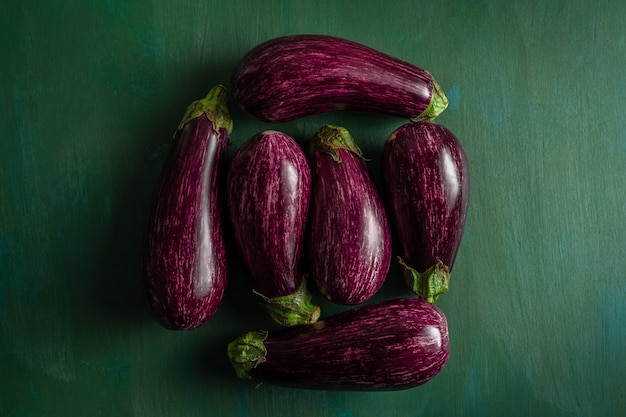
{"points": [[427, 285], [246, 352], [293, 309], [438, 103]]}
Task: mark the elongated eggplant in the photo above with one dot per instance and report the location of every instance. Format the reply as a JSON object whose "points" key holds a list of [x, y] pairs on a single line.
{"points": [[294, 76], [184, 260], [426, 177], [391, 345], [350, 238], [269, 188]]}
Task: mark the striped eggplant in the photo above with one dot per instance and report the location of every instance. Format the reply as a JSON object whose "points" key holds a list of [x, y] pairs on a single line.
{"points": [[350, 237], [294, 76], [391, 345], [184, 262], [426, 177], [268, 190]]}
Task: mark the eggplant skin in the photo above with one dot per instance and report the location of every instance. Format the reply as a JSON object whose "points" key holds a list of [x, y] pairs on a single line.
{"points": [[426, 176], [184, 261], [391, 345], [350, 237], [268, 189], [290, 77]]}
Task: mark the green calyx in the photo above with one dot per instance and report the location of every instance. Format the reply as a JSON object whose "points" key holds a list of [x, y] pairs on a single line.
{"points": [[247, 352], [430, 284], [292, 309], [330, 139], [438, 103], [214, 107]]}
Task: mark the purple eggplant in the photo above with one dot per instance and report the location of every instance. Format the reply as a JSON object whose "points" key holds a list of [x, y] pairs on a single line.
{"points": [[350, 237], [300, 75], [426, 178], [184, 260], [268, 189], [391, 345]]}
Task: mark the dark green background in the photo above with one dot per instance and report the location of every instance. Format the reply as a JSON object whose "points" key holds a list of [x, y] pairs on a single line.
{"points": [[91, 93]]}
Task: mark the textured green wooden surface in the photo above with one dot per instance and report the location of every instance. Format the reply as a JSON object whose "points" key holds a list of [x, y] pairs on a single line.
{"points": [[91, 93]]}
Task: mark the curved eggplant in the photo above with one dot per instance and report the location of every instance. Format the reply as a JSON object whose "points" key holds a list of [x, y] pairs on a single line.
{"points": [[392, 345], [350, 238], [294, 76], [268, 189], [426, 177], [184, 260]]}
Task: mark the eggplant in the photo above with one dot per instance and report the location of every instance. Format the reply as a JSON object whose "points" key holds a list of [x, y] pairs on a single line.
{"points": [[268, 190], [391, 345], [184, 261], [350, 236], [426, 177], [290, 77]]}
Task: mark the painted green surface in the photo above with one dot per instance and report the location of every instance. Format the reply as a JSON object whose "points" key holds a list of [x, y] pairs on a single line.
{"points": [[91, 93]]}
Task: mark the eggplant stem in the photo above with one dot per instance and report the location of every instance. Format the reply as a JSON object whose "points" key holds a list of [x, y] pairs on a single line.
{"points": [[438, 103], [430, 284], [292, 309], [330, 139], [214, 107], [246, 352]]}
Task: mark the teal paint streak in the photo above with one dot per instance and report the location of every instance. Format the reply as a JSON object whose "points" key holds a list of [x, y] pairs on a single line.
{"points": [[465, 5], [242, 409], [454, 97], [614, 314], [117, 9], [477, 386], [140, 90], [284, 12], [243, 401]]}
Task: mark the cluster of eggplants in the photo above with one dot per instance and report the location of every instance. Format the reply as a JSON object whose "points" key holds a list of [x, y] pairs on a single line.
{"points": [[393, 344], [268, 189], [184, 261], [271, 193]]}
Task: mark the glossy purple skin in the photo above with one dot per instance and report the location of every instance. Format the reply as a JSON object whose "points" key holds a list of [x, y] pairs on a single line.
{"points": [[426, 178], [350, 239], [185, 261], [392, 345], [295, 76], [268, 188]]}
